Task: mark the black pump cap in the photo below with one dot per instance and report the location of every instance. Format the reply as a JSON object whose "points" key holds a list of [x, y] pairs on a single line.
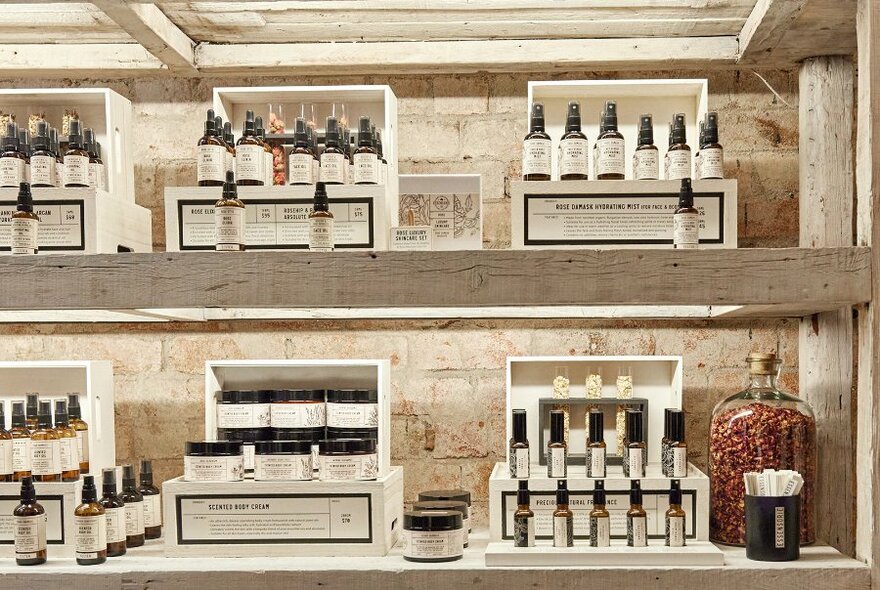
{"points": [[258, 127], [646, 129], [675, 492], [108, 481], [18, 418], [686, 194], [248, 127], [230, 191], [24, 141], [53, 139], [667, 423], [678, 426], [44, 416], [597, 426], [90, 492], [2, 416], [33, 405], [41, 139], [128, 477], [331, 132], [28, 493], [74, 139], [11, 137], [146, 472], [711, 128], [634, 426], [610, 115], [321, 201], [300, 135], [557, 426], [25, 201], [61, 412], [365, 134], [635, 491], [679, 131], [573, 120], [519, 426], [562, 492], [89, 141], [228, 137], [537, 117], [599, 493], [73, 407], [522, 494]]}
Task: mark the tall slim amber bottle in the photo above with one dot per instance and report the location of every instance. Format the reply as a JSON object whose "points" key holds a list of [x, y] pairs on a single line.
{"points": [[600, 518], [45, 447], [573, 147], [21, 443], [152, 502], [67, 443], [523, 518], [563, 518], [82, 430], [134, 508], [686, 219], [114, 512], [636, 517], [90, 527], [6, 465], [676, 530], [29, 527]]}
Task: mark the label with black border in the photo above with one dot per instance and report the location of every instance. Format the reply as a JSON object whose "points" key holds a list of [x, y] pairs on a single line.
{"points": [[52, 504], [273, 519], [607, 219], [61, 225], [278, 224]]}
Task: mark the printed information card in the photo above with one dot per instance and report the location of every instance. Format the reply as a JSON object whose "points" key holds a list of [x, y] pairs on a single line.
{"points": [[61, 225], [54, 506]]}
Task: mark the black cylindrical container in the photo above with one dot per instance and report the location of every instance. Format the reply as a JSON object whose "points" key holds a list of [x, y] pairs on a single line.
{"points": [[455, 505], [432, 536], [773, 528]]}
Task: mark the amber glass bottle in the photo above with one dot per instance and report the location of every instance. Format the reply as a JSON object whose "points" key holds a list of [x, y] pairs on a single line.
{"points": [[29, 527], [114, 512], [45, 447], [21, 443], [82, 430], [67, 443], [134, 509], [90, 527], [152, 502]]}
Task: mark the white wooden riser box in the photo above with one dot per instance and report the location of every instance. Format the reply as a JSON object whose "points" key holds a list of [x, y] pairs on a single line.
{"points": [[59, 499]]}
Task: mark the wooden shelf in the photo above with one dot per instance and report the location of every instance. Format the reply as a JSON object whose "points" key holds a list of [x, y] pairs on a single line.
{"points": [[789, 282], [144, 567]]}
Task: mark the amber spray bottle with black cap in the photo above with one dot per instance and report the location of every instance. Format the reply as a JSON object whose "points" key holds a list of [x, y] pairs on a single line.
{"points": [[596, 449], [333, 160], [114, 512], [300, 162], [134, 508], [32, 411], [678, 461], [366, 157], [665, 442], [686, 219], [675, 517], [711, 152], [25, 223], [82, 430], [152, 502], [42, 158], [523, 518], [90, 527], [250, 155], [636, 448], [76, 158], [321, 237], [55, 146], [646, 158], [6, 463], [21, 443], [67, 443], [45, 447], [636, 517], [679, 153], [600, 518], [12, 160], [518, 452], [229, 214], [557, 450], [536, 159], [610, 147], [29, 527], [574, 148], [563, 518]]}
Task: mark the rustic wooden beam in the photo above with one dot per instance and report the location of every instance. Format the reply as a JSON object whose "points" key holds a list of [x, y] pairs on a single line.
{"points": [[765, 25], [826, 339], [819, 278], [112, 59], [149, 26]]}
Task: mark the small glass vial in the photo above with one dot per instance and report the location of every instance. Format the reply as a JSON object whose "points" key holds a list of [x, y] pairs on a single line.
{"points": [[42, 158], [29, 527], [250, 155], [114, 512], [134, 508], [321, 222], [557, 450], [82, 430], [596, 449], [21, 443], [573, 147], [523, 518], [300, 162], [636, 457], [636, 517], [679, 152], [90, 527], [67, 443], [646, 158], [432, 536], [25, 223], [711, 152], [6, 465], [333, 160], [229, 213], [518, 453], [536, 159], [563, 518], [600, 518], [12, 160], [366, 157], [686, 220], [675, 517], [45, 447], [76, 158], [211, 163], [152, 501], [610, 147]]}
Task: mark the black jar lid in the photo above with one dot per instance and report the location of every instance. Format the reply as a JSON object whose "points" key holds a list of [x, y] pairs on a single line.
{"points": [[247, 435], [432, 520], [245, 396], [347, 445], [283, 447], [213, 447], [454, 505], [298, 395], [333, 432], [358, 396], [459, 495], [310, 434]]}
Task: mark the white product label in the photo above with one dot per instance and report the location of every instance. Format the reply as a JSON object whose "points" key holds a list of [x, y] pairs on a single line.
{"points": [[321, 234], [556, 466], [675, 531], [299, 169], [59, 173], [316, 169], [90, 536], [243, 415], [352, 415], [82, 441], [229, 468], [563, 531], [24, 235], [347, 468], [211, 164], [21, 454], [536, 156], [333, 167], [76, 170], [637, 531], [519, 464], [596, 462], [366, 169], [6, 462], [779, 527], [248, 452], [679, 462], [69, 452], [636, 462], [249, 164], [269, 159], [299, 415], [283, 467], [93, 174], [609, 157], [698, 166], [30, 535], [686, 230], [646, 165], [134, 518], [523, 531], [101, 176], [679, 164], [45, 457], [229, 227], [43, 170], [432, 544], [573, 157], [115, 518], [12, 172], [600, 531], [152, 510], [712, 163]]}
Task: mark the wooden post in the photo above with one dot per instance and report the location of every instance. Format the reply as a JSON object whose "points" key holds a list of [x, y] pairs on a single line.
{"points": [[826, 350]]}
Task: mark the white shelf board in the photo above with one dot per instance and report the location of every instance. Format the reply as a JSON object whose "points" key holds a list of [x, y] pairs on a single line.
{"points": [[543, 554]]}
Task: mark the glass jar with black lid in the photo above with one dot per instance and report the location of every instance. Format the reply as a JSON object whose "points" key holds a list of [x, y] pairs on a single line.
{"points": [[432, 535], [352, 408], [244, 415]]}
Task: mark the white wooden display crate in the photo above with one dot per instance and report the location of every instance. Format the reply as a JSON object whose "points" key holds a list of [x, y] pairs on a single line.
{"points": [[655, 378], [276, 217], [92, 380], [617, 214], [59, 499], [660, 98], [544, 554], [655, 491], [303, 374], [103, 110], [81, 221], [283, 518], [376, 101], [451, 204]]}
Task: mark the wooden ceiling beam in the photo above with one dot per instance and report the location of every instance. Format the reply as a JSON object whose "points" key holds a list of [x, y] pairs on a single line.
{"points": [[70, 60]]}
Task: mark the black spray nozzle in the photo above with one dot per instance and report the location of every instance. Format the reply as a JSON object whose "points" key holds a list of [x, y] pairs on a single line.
{"points": [[90, 492], [73, 407], [519, 426], [331, 132], [89, 141], [33, 399], [365, 134], [230, 191], [597, 426], [522, 494], [24, 140], [599, 493], [28, 493], [635, 492], [248, 127], [573, 119], [557, 426], [537, 117], [53, 139], [686, 193], [322, 202], [562, 492], [61, 411], [74, 139], [44, 415], [18, 417], [146, 472], [635, 432], [675, 492], [108, 481], [677, 432], [646, 129], [41, 139], [711, 127], [679, 131], [300, 133], [11, 137], [128, 475], [25, 203], [610, 117]]}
